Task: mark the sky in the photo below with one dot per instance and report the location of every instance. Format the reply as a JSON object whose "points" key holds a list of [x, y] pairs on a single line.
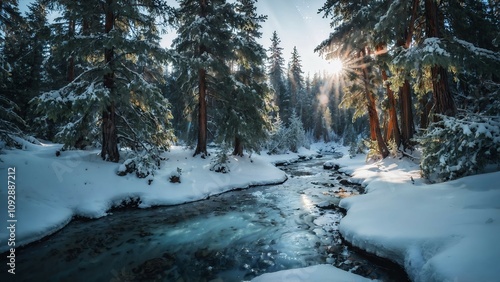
{"points": [[297, 24]]}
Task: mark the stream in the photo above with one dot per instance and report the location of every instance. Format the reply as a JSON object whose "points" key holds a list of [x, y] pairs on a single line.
{"points": [[234, 236]]}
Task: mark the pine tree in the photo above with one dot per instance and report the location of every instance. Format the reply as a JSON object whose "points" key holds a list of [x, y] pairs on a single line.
{"points": [[352, 21], [28, 74], [443, 100], [307, 105], [476, 48], [394, 30], [245, 110], [427, 43], [296, 134], [296, 85], [203, 47], [11, 120], [117, 86], [276, 75]]}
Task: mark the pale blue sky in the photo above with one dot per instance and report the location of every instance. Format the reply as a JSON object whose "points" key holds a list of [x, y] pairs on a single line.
{"points": [[297, 24]]}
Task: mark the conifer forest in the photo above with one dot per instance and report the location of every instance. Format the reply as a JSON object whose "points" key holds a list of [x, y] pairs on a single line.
{"points": [[249, 140], [405, 75]]}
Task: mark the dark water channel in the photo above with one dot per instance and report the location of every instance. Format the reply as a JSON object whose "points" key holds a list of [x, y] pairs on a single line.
{"points": [[230, 237]]}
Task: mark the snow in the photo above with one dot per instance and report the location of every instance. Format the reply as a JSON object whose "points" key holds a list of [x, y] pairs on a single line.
{"points": [[316, 273], [51, 190], [487, 54], [437, 232], [432, 46]]}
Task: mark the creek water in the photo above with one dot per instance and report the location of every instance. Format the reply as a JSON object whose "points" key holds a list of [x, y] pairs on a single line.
{"points": [[234, 236]]}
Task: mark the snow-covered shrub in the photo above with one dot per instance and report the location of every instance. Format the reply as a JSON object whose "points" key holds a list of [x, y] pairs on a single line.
{"points": [[142, 165], [175, 176], [393, 149], [373, 153], [287, 138], [357, 146], [220, 161], [456, 147], [9, 120], [278, 141], [296, 134]]}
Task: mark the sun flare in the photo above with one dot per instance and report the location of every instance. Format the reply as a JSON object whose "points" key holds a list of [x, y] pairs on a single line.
{"points": [[337, 66]]}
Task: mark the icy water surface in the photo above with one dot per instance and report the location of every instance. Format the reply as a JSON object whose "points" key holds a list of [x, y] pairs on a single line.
{"points": [[230, 237]]}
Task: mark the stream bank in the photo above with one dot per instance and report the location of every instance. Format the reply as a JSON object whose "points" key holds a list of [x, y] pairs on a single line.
{"points": [[233, 236]]}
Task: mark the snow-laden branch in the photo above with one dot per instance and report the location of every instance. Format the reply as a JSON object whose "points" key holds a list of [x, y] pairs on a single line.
{"points": [[478, 51]]}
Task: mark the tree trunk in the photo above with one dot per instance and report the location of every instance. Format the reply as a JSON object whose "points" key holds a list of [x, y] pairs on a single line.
{"points": [[426, 105], [407, 125], [373, 115], [443, 100], [392, 124], [238, 147], [375, 126], [411, 25], [201, 147], [109, 132], [405, 99], [109, 150]]}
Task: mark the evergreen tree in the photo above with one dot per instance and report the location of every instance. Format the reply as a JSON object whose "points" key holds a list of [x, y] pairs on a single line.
{"points": [[419, 47], [307, 105], [245, 110], [117, 86], [203, 47], [394, 30], [276, 75], [441, 93], [296, 85], [10, 31], [296, 134], [352, 20], [27, 53]]}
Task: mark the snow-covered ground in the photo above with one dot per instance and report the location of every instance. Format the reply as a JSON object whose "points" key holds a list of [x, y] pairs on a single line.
{"points": [[439, 232], [315, 273], [51, 190]]}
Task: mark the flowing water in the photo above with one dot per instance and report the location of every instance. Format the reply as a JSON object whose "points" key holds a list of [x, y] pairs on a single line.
{"points": [[230, 237]]}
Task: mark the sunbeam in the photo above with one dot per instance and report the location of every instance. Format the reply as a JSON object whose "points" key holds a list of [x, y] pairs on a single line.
{"points": [[337, 66]]}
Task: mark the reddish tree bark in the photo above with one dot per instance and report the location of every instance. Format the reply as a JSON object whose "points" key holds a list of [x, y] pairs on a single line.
{"points": [[372, 114], [109, 132], [443, 100], [405, 96], [201, 147], [406, 105], [392, 122]]}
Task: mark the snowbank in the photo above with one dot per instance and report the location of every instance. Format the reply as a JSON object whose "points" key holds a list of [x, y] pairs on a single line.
{"points": [[316, 273], [439, 232], [51, 190]]}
